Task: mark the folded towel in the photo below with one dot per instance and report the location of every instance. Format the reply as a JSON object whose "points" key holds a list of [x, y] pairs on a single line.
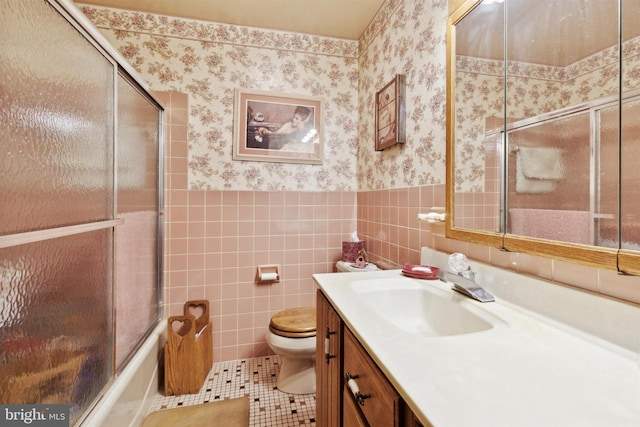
{"points": [[525, 185], [541, 162]]}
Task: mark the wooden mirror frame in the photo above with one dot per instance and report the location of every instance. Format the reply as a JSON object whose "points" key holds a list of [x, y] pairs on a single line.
{"points": [[625, 261]]}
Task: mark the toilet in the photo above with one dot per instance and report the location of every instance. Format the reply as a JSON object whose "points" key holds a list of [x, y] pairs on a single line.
{"points": [[292, 336]]}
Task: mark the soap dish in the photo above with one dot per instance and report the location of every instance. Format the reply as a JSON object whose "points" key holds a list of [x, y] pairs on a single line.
{"points": [[426, 272]]}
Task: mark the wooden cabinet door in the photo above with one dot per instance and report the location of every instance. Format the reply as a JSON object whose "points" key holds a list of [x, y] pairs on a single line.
{"points": [[328, 364], [378, 401], [351, 414]]}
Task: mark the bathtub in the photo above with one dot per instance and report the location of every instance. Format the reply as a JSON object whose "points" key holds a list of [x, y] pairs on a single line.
{"points": [[127, 400]]}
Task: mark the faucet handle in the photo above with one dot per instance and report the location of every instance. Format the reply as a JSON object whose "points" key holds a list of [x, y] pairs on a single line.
{"points": [[468, 274], [460, 264]]}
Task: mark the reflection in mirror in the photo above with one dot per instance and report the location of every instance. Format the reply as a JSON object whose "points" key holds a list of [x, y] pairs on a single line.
{"points": [[630, 202], [549, 181], [560, 55], [479, 117], [605, 195], [562, 179], [630, 132], [628, 259], [569, 154]]}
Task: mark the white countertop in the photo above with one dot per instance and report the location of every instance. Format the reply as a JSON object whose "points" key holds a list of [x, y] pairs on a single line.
{"points": [[527, 371]]}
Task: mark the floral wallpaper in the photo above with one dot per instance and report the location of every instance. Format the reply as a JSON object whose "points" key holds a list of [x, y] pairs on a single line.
{"points": [[209, 61], [407, 37]]}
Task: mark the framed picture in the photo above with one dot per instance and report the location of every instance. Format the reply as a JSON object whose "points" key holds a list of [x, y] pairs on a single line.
{"points": [[390, 114], [273, 127]]}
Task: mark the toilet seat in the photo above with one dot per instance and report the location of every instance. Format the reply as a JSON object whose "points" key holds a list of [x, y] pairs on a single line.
{"points": [[297, 322]]}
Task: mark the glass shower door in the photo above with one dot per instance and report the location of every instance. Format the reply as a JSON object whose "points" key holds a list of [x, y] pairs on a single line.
{"points": [[549, 184], [56, 233], [137, 279], [80, 206], [605, 177], [630, 173]]}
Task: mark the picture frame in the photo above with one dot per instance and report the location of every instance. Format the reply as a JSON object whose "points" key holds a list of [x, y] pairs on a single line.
{"points": [[277, 127], [390, 114]]}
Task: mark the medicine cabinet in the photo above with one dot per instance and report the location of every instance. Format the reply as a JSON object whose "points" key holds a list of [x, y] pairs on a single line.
{"points": [[543, 128]]}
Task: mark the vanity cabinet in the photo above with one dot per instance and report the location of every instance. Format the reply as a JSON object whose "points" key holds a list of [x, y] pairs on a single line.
{"points": [[351, 390], [367, 388], [352, 416], [329, 329]]}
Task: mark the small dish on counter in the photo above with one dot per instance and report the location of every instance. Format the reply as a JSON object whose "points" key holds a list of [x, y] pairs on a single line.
{"points": [[426, 272]]}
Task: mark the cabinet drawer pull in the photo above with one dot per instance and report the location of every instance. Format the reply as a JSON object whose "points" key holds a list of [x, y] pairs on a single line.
{"points": [[327, 346], [355, 390]]}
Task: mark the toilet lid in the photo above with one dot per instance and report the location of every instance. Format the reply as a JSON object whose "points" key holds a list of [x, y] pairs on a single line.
{"points": [[299, 322]]}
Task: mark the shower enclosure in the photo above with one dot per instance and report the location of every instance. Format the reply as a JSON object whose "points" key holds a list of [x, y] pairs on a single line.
{"points": [[80, 184], [563, 175]]}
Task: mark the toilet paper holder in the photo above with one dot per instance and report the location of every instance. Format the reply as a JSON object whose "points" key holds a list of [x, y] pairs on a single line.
{"points": [[268, 273]]}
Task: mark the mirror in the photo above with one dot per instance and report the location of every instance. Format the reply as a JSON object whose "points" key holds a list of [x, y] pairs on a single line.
{"points": [[475, 121], [542, 128]]}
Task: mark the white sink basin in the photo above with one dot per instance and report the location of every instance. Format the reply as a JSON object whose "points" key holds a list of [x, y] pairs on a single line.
{"points": [[416, 307]]}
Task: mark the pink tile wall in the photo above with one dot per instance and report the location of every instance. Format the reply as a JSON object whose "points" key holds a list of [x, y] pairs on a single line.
{"points": [[388, 221], [215, 240], [480, 210]]}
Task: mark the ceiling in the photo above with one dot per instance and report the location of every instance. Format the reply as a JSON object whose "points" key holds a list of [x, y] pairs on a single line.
{"points": [[554, 32], [346, 19]]}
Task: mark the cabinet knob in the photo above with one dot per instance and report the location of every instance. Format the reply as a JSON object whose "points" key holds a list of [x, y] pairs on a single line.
{"points": [[355, 390]]}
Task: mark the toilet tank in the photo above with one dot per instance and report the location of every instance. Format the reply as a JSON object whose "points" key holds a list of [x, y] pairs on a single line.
{"points": [[343, 266]]}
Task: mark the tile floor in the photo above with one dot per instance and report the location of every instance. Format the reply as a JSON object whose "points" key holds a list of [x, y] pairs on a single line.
{"points": [[255, 377]]}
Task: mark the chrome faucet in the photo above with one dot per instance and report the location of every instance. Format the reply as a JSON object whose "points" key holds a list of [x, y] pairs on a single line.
{"points": [[463, 280], [466, 286]]}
